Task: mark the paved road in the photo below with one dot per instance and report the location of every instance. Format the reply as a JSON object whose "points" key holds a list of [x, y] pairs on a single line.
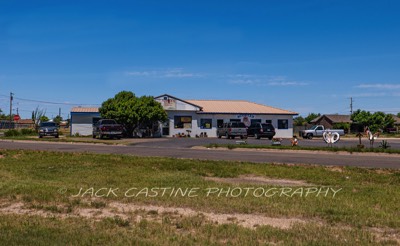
{"points": [[301, 157], [316, 142]]}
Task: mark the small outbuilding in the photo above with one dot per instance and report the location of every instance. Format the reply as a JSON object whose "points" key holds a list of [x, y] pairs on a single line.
{"points": [[82, 120]]}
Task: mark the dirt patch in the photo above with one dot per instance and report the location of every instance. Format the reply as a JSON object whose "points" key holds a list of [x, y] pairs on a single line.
{"points": [[385, 235], [153, 213], [335, 169], [258, 180]]}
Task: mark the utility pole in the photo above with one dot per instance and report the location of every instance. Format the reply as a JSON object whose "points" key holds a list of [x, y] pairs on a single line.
{"points": [[11, 99], [351, 106]]}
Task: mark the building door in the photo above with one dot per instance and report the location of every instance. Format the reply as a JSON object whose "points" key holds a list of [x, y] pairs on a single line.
{"points": [[165, 128], [220, 123]]}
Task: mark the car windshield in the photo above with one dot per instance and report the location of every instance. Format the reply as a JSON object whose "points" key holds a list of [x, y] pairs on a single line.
{"points": [[48, 124], [313, 127], [238, 125], [267, 127]]}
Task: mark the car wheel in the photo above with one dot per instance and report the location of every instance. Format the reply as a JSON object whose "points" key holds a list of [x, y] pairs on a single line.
{"points": [[270, 138], [309, 136], [241, 137], [56, 136], [233, 137], [257, 136], [94, 135], [40, 136], [218, 135]]}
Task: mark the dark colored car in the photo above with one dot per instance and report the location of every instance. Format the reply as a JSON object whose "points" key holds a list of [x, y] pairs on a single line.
{"points": [[107, 128], [261, 130], [48, 129]]}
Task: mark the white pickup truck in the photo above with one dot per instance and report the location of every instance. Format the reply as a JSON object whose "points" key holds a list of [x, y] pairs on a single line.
{"points": [[318, 131]]}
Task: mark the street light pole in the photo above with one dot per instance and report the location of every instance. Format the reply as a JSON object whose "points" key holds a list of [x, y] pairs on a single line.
{"points": [[11, 99]]}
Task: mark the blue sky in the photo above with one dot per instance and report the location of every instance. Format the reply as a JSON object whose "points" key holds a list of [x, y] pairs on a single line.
{"points": [[305, 56]]}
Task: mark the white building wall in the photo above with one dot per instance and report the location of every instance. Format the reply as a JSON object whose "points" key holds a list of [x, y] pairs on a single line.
{"points": [[196, 130], [82, 129], [82, 123]]}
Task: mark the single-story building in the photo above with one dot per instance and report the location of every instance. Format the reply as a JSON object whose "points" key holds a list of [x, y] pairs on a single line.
{"points": [[24, 123], [198, 117], [205, 116], [82, 120], [329, 120]]}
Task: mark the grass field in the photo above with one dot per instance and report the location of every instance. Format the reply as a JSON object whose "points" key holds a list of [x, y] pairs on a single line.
{"points": [[74, 198]]}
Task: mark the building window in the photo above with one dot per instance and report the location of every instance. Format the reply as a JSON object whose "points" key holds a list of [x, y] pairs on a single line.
{"points": [[283, 124], [182, 122], [253, 121], [205, 123], [268, 121]]}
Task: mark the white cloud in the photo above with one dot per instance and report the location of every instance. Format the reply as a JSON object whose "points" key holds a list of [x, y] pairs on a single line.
{"points": [[244, 81], [378, 94], [380, 86], [283, 81], [263, 80], [164, 73], [287, 83]]}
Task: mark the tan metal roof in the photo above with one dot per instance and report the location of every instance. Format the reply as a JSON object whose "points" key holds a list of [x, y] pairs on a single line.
{"points": [[84, 110], [237, 107]]}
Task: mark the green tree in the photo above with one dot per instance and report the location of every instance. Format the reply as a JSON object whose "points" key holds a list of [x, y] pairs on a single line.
{"points": [[361, 117], [37, 115], [398, 114], [299, 121], [376, 121], [131, 111], [44, 118], [57, 119], [2, 116], [311, 116]]}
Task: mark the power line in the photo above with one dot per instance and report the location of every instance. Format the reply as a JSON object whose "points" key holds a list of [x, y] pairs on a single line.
{"points": [[56, 103], [49, 102]]}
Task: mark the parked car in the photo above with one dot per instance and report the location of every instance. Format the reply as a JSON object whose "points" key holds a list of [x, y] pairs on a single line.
{"points": [[261, 130], [107, 128], [232, 130], [318, 131], [48, 129]]}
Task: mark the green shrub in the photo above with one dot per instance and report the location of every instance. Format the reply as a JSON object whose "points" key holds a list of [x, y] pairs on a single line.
{"points": [[28, 131], [22, 132], [384, 144], [12, 133]]}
